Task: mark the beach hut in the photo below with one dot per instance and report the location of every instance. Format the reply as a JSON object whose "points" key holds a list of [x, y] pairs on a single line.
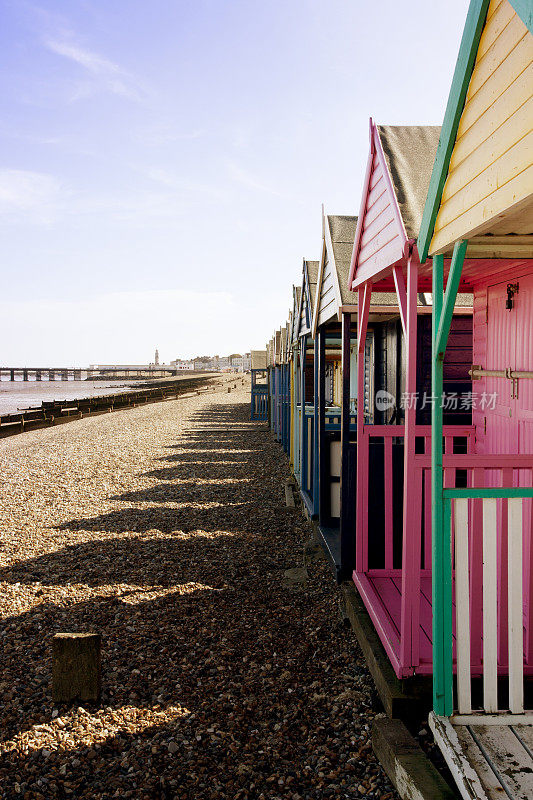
{"points": [[477, 227], [285, 387], [334, 447], [293, 345], [393, 510], [270, 380], [276, 385], [259, 385], [334, 327], [307, 394]]}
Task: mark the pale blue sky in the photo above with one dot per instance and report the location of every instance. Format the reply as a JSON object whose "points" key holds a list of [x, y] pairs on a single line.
{"points": [[163, 163]]}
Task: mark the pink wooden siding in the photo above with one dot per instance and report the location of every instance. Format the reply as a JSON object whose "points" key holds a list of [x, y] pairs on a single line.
{"points": [[381, 241], [504, 339], [327, 302], [524, 361]]}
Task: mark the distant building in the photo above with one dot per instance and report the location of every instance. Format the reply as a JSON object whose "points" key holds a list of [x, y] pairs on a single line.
{"points": [[156, 362], [183, 365], [232, 363]]}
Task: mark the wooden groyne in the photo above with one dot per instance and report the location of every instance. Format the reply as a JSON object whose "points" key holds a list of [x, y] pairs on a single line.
{"points": [[57, 412]]}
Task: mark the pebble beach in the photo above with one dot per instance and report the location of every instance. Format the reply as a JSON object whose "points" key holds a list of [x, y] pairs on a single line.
{"points": [[164, 528]]}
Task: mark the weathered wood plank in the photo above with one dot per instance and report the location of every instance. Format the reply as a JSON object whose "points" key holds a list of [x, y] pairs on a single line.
{"points": [[465, 776], [488, 779], [406, 764], [509, 758], [397, 702]]}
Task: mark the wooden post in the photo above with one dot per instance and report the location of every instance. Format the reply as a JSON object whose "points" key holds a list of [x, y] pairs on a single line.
{"points": [[315, 483], [412, 499], [442, 625], [347, 520], [361, 511], [303, 431], [323, 477], [76, 667], [441, 528], [291, 407]]}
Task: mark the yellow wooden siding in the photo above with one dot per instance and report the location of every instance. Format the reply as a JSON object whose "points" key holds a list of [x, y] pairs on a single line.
{"points": [[337, 383], [491, 165]]}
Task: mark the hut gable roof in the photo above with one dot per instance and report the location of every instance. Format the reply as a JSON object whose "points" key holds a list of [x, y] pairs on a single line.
{"points": [[481, 184], [307, 296], [277, 347], [332, 292], [342, 231], [409, 151], [312, 275], [397, 177], [258, 359]]}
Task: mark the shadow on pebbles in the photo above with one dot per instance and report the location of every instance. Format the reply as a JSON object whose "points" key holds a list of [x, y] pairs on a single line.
{"points": [[227, 670]]}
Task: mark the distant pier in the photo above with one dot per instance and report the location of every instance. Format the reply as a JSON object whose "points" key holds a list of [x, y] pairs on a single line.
{"points": [[88, 373]]}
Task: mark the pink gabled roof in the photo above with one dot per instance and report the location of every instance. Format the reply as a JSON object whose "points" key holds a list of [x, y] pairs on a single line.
{"points": [[398, 172]]}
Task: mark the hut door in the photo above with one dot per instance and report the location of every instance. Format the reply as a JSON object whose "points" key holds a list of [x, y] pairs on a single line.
{"points": [[523, 310], [510, 346], [369, 378]]}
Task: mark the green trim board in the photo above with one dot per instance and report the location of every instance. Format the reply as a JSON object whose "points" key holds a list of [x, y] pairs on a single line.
{"points": [[474, 494], [452, 287], [475, 20], [524, 9], [440, 549]]}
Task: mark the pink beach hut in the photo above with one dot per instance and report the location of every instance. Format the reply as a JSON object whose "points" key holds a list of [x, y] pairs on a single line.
{"points": [[396, 587]]}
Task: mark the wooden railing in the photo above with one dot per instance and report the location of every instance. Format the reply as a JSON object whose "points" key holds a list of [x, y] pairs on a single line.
{"points": [[383, 546], [259, 402], [456, 437], [490, 544]]}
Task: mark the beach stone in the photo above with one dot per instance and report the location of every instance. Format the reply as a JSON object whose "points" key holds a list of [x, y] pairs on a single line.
{"points": [[295, 577]]}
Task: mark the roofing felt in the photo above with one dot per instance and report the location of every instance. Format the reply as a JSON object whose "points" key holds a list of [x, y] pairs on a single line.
{"points": [[277, 346], [258, 359], [410, 153], [312, 272], [284, 339]]}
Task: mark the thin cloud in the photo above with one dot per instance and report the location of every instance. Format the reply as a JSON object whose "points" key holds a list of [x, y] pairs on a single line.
{"points": [[163, 318], [248, 179], [28, 194], [110, 75], [158, 137]]}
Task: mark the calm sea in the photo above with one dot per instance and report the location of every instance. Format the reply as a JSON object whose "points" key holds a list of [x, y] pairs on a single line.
{"points": [[15, 395]]}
